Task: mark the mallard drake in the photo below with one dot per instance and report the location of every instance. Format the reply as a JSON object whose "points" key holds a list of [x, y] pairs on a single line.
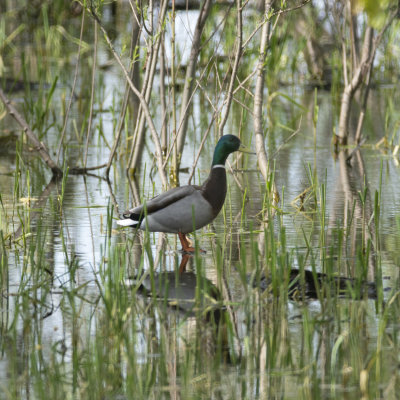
{"points": [[185, 209]]}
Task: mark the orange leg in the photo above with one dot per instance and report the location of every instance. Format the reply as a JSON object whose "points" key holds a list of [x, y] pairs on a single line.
{"points": [[185, 244], [186, 248]]}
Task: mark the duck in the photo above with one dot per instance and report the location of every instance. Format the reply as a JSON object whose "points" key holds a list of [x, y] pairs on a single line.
{"points": [[185, 209]]}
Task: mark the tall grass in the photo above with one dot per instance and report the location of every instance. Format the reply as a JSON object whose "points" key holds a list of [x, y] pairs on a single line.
{"points": [[114, 326]]}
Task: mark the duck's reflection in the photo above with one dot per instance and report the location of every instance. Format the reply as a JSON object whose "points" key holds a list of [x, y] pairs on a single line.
{"points": [[184, 261], [185, 291]]}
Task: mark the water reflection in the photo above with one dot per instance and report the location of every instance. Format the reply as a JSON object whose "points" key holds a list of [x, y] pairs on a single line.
{"points": [[186, 292], [354, 195], [36, 206], [76, 243], [69, 293]]}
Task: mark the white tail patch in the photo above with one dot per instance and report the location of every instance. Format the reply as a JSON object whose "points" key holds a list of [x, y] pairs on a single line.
{"points": [[126, 222]]}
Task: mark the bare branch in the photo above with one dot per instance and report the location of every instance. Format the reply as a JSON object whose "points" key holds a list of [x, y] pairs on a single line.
{"points": [[235, 67], [259, 94], [287, 140], [368, 52], [94, 66], [73, 88], [353, 85], [190, 74], [84, 170], [134, 73], [152, 53], [38, 145], [268, 16], [142, 100]]}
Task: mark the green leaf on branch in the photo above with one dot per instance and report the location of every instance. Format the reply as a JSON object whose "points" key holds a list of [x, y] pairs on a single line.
{"points": [[376, 10]]}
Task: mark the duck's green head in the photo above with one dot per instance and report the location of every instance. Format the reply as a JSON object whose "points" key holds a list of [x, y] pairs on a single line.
{"points": [[225, 146]]}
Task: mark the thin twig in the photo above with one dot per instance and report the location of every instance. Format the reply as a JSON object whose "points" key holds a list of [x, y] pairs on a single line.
{"points": [[235, 67], [198, 85], [287, 140], [84, 170], [268, 16], [259, 96], [363, 106], [370, 46], [164, 133], [349, 157], [203, 140], [91, 94], [38, 145], [244, 106], [190, 74], [72, 90], [174, 131], [152, 58], [241, 84], [136, 31], [153, 130]]}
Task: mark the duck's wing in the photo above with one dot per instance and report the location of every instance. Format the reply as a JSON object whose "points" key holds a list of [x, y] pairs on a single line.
{"points": [[161, 201]]}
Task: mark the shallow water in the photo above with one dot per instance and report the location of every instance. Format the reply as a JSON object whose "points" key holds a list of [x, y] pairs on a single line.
{"points": [[80, 230], [72, 316]]}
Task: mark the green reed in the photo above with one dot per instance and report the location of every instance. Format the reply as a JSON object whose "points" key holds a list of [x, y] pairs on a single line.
{"points": [[119, 342]]}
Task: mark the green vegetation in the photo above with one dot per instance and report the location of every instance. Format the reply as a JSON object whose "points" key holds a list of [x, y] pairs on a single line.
{"points": [[297, 293]]}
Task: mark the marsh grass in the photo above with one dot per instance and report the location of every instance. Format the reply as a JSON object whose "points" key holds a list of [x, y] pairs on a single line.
{"points": [[117, 340], [111, 325]]}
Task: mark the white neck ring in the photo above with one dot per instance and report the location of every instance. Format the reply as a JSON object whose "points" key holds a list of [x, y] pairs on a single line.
{"points": [[218, 166]]}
